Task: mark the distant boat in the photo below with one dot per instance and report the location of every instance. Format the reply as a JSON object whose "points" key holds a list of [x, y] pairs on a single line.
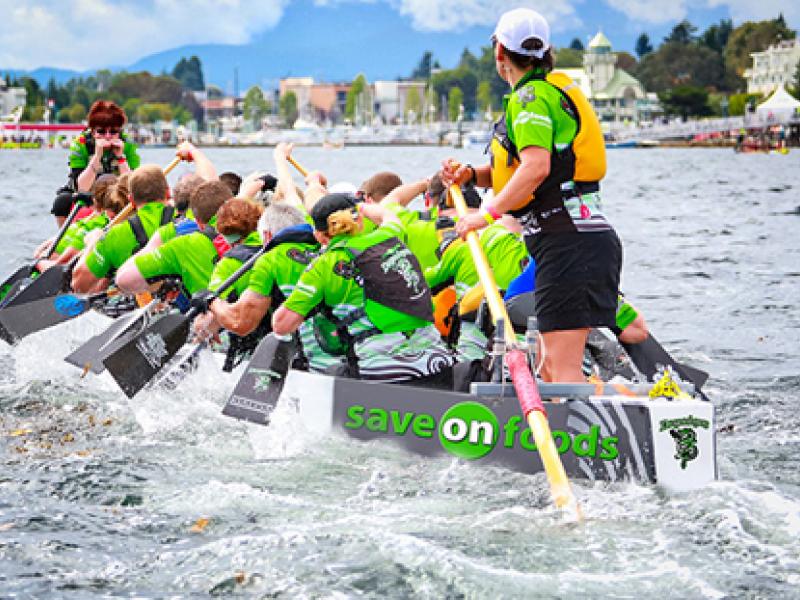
{"points": [[478, 138], [622, 144]]}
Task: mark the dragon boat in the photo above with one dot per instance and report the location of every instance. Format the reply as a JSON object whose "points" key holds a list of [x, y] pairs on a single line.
{"points": [[637, 432]]}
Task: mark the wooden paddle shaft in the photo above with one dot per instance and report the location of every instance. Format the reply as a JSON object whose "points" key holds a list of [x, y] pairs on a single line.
{"points": [[537, 419], [297, 166]]}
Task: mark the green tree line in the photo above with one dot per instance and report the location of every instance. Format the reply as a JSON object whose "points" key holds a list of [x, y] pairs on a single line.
{"points": [[146, 98]]}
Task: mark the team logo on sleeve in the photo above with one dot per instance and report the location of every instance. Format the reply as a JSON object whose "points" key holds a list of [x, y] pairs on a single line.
{"points": [[526, 94]]}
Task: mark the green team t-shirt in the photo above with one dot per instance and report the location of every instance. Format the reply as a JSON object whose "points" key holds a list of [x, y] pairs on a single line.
{"points": [[535, 115], [73, 238], [328, 281], [191, 257], [227, 266], [281, 267], [505, 253], [119, 243]]}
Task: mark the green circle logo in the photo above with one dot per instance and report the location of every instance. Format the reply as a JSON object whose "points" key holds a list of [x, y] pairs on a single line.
{"points": [[468, 430]]}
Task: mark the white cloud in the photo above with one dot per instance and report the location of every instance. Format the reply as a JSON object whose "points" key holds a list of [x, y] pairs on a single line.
{"points": [[450, 15], [82, 34], [748, 10], [651, 11]]}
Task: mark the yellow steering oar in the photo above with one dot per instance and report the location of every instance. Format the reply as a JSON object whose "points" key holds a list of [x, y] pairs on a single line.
{"points": [[524, 383]]}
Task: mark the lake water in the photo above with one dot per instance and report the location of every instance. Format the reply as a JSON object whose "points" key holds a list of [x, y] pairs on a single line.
{"points": [[99, 495]]}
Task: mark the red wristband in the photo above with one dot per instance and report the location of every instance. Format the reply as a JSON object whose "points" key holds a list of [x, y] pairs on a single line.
{"points": [[492, 211]]}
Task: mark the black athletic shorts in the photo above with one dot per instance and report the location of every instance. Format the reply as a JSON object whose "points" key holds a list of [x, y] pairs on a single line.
{"points": [[62, 205], [577, 278]]}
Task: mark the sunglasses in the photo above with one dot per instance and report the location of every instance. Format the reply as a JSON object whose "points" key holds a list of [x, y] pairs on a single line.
{"points": [[105, 130]]}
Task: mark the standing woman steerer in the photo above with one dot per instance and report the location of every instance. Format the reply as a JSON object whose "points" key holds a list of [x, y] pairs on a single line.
{"points": [[547, 160], [103, 148]]}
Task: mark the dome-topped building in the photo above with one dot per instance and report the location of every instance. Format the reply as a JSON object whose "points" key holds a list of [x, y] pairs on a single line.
{"points": [[615, 94]]}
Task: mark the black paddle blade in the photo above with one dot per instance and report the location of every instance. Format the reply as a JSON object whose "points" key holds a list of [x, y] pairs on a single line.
{"points": [[50, 283], [90, 355], [19, 320], [257, 392], [21, 273], [649, 357], [185, 362], [135, 363]]}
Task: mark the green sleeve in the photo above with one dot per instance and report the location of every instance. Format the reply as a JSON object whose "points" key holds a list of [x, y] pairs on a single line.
{"points": [[132, 155], [530, 123], [310, 289], [406, 216], [98, 262], [444, 272], [78, 155], [224, 269], [161, 261], [74, 232], [262, 277]]}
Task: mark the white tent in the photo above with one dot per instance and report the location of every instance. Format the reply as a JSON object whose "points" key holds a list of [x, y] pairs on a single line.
{"points": [[779, 107]]}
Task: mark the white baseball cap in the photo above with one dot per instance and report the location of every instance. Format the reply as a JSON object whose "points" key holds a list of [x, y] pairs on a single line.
{"points": [[519, 25]]}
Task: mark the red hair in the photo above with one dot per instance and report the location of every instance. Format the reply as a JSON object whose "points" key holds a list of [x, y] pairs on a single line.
{"points": [[105, 113]]}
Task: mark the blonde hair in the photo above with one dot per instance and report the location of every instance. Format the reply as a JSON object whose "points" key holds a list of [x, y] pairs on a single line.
{"points": [[342, 222]]}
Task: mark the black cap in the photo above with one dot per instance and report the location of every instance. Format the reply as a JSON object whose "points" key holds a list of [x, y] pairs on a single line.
{"points": [[327, 205]]}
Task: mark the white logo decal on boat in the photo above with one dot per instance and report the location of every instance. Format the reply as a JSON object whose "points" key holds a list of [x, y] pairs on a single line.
{"points": [[153, 348]]}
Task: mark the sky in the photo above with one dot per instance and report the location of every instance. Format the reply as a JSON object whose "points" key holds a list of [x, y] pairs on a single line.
{"points": [[330, 40]]}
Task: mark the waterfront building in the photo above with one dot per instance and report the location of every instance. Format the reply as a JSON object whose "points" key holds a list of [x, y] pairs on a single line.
{"points": [[316, 101], [391, 99], [319, 102], [776, 66], [616, 95], [11, 98]]}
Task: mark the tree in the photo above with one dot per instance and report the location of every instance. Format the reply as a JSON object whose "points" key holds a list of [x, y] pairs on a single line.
{"points": [[484, 96], [796, 82], [737, 103], [753, 37], [682, 33], [455, 102], [357, 88], [643, 45], [576, 44], [423, 69], [413, 104], [189, 73], [256, 106], [287, 107], [716, 36], [76, 113], [150, 112], [131, 108], [686, 101], [569, 58], [626, 62], [675, 63]]}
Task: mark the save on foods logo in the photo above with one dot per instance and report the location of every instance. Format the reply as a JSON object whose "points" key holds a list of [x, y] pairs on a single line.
{"points": [[471, 430], [683, 433]]}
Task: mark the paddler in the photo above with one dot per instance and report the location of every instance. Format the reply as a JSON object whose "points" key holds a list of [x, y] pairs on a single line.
{"points": [[372, 288], [507, 257], [190, 257], [102, 148], [245, 311], [149, 193], [73, 241], [545, 170]]}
